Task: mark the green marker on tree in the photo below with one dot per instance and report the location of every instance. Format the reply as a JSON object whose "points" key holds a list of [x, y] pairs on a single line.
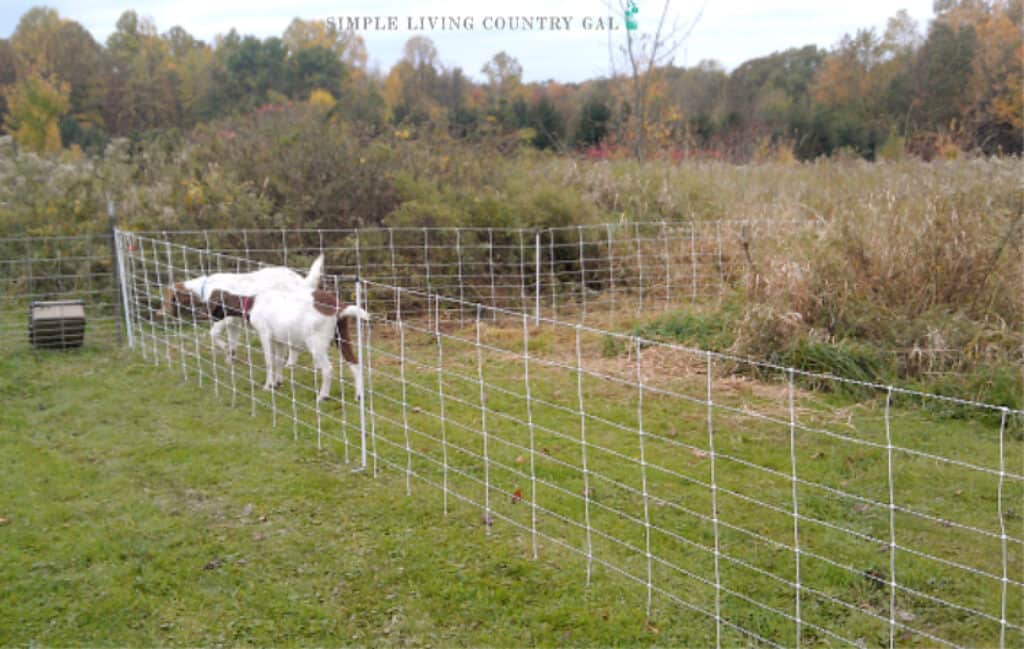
{"points": [[631, 12]]}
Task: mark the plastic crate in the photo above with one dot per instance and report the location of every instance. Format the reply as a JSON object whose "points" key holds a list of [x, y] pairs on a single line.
{"points": [[56, 325]]}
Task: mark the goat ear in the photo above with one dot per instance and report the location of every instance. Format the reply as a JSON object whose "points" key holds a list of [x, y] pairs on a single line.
{"points": [[325, 302]]}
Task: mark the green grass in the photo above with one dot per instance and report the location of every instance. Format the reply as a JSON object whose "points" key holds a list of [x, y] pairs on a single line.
{"points": [[139, 511], [753, 504], [704, 330], [142, 510]]}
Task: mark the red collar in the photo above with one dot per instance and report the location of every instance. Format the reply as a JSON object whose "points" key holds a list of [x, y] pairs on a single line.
{"points": [[246, 307]]}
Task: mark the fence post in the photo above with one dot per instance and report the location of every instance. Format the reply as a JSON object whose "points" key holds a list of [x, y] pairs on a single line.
{"points": [[668, 266], [120, 275], [117, 270], [693, 264], [611, 267], [359, 360], [583, 272], [536, 288], [462, 288], [490, 267], [426, 265], [639, 268], [551, 268]]}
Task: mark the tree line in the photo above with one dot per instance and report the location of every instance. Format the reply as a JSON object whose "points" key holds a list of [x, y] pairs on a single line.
{"points": [[952, 86]]}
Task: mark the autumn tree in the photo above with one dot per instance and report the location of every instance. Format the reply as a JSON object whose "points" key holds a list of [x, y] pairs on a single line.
{"points": [[895, 74], [504, 89], [140, 88], [645, 53], [349, 47], [36, 104], [698, 94], [190, 63], [8, 70], [411, 85], [35, 38], [64, 52], [768, 97], [995, 110], [504, 75], [78, 60], [421, 55]]}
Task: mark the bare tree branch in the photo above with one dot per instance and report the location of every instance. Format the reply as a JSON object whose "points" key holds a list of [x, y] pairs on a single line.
{"points": [[645, 54]]}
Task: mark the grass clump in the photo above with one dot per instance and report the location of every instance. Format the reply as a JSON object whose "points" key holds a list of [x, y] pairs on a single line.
{"points": [[612, 346], [707, 330], [848, 360]]}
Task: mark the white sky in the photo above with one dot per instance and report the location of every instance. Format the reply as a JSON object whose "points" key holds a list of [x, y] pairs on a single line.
{"points": [[730, 31]]}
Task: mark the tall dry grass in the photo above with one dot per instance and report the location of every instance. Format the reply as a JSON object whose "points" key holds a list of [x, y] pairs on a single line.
{"points": [[917, 267]]}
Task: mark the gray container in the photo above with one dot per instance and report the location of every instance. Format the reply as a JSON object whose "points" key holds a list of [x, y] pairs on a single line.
{"points": [[56, 325]]}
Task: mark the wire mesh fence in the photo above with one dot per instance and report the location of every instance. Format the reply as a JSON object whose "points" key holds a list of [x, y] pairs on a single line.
{"points": [[58, 269], [564, 272], [774, 506], [233, 364]]}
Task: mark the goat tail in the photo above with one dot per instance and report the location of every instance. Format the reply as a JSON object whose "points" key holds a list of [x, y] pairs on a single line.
{"points": [[352, 311], [341, 335], [313, 276]]}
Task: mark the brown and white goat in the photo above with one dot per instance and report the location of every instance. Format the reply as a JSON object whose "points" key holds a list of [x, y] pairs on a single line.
{"points": [[186, 299], [288, 319]]}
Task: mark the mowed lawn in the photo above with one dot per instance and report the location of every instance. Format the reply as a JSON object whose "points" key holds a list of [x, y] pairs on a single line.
{"points": [[138, 510]]}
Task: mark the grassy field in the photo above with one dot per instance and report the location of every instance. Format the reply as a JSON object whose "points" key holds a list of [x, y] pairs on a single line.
{"points": [[137, 510], [840, 453], [142, 510]]}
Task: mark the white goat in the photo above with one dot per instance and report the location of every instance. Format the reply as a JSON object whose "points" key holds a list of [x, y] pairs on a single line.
{"points": [[189, 295], [290, 318]]}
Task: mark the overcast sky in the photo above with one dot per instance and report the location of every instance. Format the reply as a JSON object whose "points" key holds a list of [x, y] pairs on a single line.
{"points": [[729, 31]]}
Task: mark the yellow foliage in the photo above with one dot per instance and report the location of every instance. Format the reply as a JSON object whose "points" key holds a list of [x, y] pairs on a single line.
{"points": [[996, 82], [526, 135], [948, 148], [894, 148], [73, 154], [194, 196], [349, 46], [840, 81], [784, 153], [36, 104], [395, 84], [321, 99]]}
